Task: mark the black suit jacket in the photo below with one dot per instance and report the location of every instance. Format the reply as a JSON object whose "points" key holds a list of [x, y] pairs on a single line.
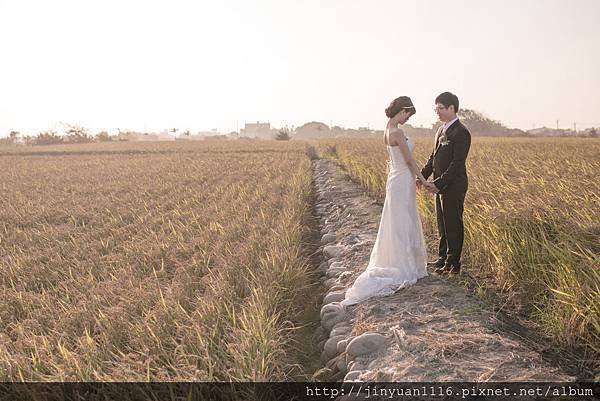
{"points": [[447, 162]]}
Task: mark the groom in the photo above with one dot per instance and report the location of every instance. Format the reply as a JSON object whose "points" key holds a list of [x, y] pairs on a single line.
{"points": [[447, 163]]}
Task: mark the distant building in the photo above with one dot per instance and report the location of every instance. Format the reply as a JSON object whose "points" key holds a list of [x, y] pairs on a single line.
{"points": [[545, 131], [138, 136], [212, 132], [313, 129], [258, 130]]}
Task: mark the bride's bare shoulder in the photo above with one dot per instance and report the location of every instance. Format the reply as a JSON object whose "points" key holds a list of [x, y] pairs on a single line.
{"points": [[396, 134]]}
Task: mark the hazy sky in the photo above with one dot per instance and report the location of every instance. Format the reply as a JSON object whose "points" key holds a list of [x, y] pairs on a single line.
{"points": [[200, 65]]}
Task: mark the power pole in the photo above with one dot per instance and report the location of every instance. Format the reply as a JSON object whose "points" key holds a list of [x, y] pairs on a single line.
{"points": [[575, 127], [556, 124]]}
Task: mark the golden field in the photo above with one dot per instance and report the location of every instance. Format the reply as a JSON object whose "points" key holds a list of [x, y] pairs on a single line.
{"points": [[154, 261], [191, 261], [532, 226]]}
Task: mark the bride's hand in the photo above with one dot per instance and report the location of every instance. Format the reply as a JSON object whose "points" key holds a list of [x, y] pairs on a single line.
{"points": [[432, 188], [429, 186]]}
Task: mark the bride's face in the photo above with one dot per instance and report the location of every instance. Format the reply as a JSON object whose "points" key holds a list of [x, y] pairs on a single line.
{"points": [[403, 116]]}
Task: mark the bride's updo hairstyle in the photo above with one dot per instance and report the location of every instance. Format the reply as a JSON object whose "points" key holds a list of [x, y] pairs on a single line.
{"points": [[398, 104]]}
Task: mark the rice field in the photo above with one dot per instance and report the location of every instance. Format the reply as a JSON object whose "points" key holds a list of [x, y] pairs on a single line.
{"points": [[191, 261], [154, 261], [532, 226]]}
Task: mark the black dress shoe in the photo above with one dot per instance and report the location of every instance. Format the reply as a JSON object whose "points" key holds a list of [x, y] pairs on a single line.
{"points": [[448, 269]]}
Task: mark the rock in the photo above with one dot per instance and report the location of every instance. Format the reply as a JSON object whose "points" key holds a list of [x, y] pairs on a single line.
{"points": [[332, 363], [331, 261], [352, 375], [323, 374], [341, 365], [354, 366], [331, 314], [365, 344], [340, 329], [357, 245], [352, 238], [337, 377], [328, 238], [337, 287], [341, 345], [332, 251], [372, 364], [334, 296], [337, 263], [329, 282], [342, 324], [344, 274], [330, 347], [323, 266], [324, 360], [334, 273]]}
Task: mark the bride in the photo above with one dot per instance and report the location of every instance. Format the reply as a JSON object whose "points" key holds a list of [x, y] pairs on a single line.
{"points": [[398, 258]]}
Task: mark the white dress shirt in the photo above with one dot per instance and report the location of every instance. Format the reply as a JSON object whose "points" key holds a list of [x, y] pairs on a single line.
{"points": [[448, 124]]}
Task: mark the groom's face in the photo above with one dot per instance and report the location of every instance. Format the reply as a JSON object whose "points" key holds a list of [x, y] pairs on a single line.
{"points": [[444, 113]]}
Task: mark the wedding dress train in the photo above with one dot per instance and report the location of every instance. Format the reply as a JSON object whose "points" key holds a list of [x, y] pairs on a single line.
{"points": [[398, 258]]}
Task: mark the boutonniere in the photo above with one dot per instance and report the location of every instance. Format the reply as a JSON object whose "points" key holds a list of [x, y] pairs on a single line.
{"points": [[444, 139]]}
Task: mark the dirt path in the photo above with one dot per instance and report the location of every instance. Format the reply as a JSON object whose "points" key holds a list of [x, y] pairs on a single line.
{"points": [[432, 331]]}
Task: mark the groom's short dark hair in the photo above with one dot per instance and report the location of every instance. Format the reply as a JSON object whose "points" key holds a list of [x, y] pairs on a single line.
{"points": [[447, 99]]}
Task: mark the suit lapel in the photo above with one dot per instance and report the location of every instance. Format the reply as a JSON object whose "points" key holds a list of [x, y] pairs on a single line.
{"points": [[449, 134], [436, 144], [450, 131]]}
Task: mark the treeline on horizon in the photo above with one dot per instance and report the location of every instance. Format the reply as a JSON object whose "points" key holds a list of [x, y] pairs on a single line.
{"points": [[478, 124]]}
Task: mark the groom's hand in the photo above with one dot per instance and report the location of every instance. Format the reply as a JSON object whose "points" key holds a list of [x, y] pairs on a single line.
{"points": [[419, 184], [431, 188]]}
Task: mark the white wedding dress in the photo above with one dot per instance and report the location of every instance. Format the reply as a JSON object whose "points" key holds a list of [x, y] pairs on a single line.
{"points": [[398, 258]]}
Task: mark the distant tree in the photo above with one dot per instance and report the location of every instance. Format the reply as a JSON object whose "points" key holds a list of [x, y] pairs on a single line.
{"points": [[13, 136], [77, 134], [103, 137], [28, 140], [47, 138], [11, 139], [479, 124], [283, 135], [593, 133]]}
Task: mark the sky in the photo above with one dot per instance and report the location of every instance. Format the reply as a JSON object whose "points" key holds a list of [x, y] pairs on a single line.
{"points": [[201, 65]]}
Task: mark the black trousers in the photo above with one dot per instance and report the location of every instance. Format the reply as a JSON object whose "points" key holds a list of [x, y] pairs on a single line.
{"points": [[449, 208]]}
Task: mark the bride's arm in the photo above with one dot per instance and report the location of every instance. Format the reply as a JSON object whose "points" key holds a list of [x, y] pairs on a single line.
{"points": [[397, 138]]}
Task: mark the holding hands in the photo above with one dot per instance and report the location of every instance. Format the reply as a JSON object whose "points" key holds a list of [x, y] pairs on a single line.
{"points": [[429, 186]]}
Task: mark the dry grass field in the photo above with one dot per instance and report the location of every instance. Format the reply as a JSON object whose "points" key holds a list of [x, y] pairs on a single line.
{"points": [[153, 261], [532, 229], [191, 261]]}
